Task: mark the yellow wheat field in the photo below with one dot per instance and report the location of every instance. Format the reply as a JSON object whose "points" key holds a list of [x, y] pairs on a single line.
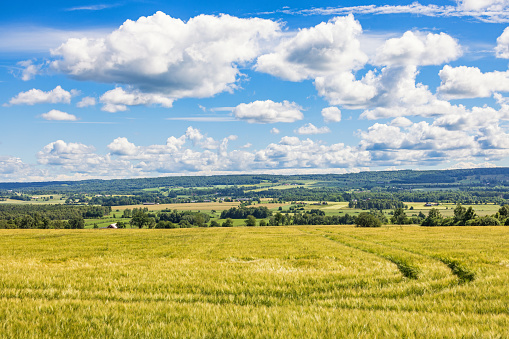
{"points": [[270, 282]]}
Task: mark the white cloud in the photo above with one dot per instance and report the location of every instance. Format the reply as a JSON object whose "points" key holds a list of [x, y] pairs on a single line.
{"points": [[477, 5], [312, 129], [483, 10], [29, 69], [344, 89], [36, 96], [166, 56], [118, 99], [331, 114], [316, 51], [121, 146], [11, 165], [268, 111], [200, 140], [58, 116], [502, 48], [85, 102], [401, 122], [274, 130], [391, 93], [291, 152], [420, 136], [91, 7], [417, 48], [469, 82]]}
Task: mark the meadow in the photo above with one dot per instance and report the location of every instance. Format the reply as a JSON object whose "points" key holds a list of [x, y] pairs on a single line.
{"points": [[277, 282]]}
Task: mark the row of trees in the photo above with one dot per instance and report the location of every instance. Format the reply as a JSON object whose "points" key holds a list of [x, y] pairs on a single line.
{"points": [[51, 212], [467, 217], [42, 222], [242, 213]]}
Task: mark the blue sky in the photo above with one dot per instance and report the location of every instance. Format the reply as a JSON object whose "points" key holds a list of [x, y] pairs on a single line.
{"points": [[151, 88]]}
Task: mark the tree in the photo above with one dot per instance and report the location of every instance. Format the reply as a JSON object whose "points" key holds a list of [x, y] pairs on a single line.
{"points": [[434, 218], [399, 217], [278, 219], [127, 213], [462, 215], [76, 223], [365, 219], [250, 221], [228, 223], [140, 218]]}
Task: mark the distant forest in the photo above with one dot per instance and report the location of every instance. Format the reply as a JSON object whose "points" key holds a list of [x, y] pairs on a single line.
{"points": [[466, 186]]}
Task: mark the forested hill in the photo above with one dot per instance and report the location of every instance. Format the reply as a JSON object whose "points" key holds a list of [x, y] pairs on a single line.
{"points": [[446, 178]]}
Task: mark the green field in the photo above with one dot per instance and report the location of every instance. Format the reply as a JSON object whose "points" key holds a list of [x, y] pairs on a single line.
{"points": [[322, 281]]}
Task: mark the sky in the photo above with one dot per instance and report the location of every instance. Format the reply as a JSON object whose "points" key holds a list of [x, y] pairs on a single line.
{"points": [[126, 89]]}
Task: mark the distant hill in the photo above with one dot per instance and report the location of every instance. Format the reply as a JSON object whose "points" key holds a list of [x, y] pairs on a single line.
{"points": [[435, 178]]}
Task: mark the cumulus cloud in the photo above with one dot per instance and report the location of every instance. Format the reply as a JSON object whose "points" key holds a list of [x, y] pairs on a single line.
{"points": [[37, 96], [331, 114], [469, 82], [472, 135], [312, 129], [167, 56], [401, 122], [399, 143], [274, 130], [417, 48], [85, 102], [422, 136], [291, 152], [121, 146], [268, 111], [393, 91], [58, 116], [118, 99], [10, 165], [316, 51], [502, 48], [344, 89]]}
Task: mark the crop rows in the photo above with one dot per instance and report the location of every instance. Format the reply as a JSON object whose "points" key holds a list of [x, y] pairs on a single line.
{"points": [[255, 282]]}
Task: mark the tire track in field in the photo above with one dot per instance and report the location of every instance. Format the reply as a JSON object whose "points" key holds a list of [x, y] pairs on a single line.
{"points": [[458, 269], [406, 263]]}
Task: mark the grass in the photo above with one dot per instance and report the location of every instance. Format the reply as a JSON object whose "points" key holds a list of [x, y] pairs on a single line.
{"points": [[301, 281]]}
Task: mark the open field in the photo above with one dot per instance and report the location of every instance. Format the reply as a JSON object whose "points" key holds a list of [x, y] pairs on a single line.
{"points": [[447, 209], [40, 200], [301, 281]]}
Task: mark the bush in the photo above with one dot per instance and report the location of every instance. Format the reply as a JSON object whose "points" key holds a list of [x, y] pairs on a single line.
{"points": [[367, 220], [484, 221]]}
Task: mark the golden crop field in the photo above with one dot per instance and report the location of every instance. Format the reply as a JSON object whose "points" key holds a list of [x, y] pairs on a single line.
{"points": [[271, 282]]}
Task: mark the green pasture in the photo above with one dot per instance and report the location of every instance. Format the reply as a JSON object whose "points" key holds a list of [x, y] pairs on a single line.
{"points": [[266, 282], [41, 199]]}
